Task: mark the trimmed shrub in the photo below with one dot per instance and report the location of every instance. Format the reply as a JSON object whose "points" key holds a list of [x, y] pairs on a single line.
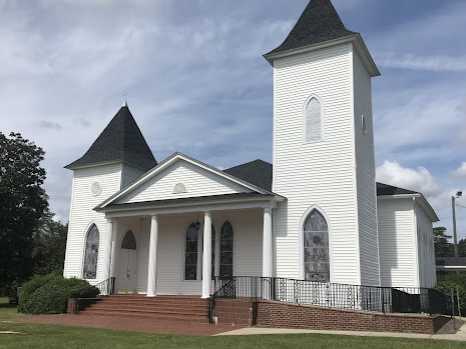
{"points": [[49, 294]]}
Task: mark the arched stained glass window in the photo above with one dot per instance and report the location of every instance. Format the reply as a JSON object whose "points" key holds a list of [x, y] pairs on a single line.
{"points": [[313, 115], [226, 251], [129, 241], [91, 253], [316, 250], [191, 251]]}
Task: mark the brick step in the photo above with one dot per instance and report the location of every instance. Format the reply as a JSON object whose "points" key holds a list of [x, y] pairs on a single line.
{"points": [[155, 304], [163, 316], [138, 296], [188, 312], [155, 301], [187, 307]]}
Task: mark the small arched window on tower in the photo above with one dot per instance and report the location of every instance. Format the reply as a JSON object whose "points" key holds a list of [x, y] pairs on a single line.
{"points": [[91, 253], [313, 117], [316, 248]]}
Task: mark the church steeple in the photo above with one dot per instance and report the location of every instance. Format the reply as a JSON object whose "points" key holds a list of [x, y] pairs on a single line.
{"points": [[121, 141], [318, 23]]}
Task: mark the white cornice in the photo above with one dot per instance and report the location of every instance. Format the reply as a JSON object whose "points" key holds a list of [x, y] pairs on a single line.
{"points": [[355, 39]]}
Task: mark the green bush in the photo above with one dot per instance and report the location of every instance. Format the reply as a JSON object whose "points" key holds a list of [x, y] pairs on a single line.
{"points": [[457, 282], [49, 294]]}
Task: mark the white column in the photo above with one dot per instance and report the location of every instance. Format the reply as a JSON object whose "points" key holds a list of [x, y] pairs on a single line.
{"points": [[112, 232], [267, 244], [152, 266], [217, 252], [207, 256]]}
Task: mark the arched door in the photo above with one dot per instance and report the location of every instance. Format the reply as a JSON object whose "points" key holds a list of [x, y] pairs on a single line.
{"points": [[128, 276]]}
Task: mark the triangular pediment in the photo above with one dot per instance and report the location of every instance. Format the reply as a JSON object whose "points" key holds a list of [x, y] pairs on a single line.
{"points": [[181, 177]]}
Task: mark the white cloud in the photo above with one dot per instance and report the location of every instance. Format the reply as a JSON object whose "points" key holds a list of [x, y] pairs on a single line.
{"points": [[418, 179], [428, 63], [460, 171]]}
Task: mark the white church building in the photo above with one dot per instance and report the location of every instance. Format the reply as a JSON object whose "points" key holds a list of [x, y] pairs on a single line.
{"points": [[170, 227]]}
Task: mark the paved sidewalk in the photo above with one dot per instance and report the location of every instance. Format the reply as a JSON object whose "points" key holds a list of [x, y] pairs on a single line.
{"points": [[460, 335]]}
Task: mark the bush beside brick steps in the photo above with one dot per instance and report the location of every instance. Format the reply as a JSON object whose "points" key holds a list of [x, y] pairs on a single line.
{"points": [[178, 308]]}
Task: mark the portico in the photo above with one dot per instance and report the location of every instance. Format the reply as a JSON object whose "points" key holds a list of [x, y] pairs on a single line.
{"points": [[170, 261]]}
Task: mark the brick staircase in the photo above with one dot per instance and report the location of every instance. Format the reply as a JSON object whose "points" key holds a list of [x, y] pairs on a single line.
{"points": [[174, 308]]}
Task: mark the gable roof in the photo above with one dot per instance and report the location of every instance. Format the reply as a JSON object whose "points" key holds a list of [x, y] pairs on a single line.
{"points": [[318, 23], [169, 161], [120, 141], [257, 172]]}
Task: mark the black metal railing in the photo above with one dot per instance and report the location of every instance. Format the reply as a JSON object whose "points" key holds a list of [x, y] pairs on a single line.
{"points": [[106, 287], [332, 295]]}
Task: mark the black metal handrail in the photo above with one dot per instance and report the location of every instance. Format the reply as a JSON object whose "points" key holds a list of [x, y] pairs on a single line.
{"points": [[107, 286], [333, 295]]}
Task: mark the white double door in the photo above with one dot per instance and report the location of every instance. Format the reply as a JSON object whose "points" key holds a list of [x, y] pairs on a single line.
{"points": [[128, 273]]}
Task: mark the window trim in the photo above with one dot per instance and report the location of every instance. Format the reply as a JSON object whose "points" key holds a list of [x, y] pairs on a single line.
{"points": [[83, 258], [199, 251], [306, 213], [322, 113], [232, 249]]}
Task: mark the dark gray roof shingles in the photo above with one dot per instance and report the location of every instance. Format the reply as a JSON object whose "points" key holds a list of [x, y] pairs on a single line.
{"points": [[121, 140], [318, 23], [259, 173], [256, 172]]}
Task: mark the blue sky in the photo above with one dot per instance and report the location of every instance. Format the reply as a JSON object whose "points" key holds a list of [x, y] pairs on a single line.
{"points": [[196, 82]]}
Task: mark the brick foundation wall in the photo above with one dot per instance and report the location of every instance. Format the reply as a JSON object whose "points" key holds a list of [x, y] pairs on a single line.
{"points": [[276, 314], [239, 312]]}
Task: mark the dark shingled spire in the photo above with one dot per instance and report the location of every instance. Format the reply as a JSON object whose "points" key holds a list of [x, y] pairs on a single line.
{"points": [[319, 22], [121, 140]]}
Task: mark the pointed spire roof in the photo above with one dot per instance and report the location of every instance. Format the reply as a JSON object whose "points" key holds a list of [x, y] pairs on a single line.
{"points": [[318, 23], [120, 141]]}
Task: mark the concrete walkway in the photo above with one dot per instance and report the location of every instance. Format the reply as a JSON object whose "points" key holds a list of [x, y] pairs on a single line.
{"points": [[460, 335]]}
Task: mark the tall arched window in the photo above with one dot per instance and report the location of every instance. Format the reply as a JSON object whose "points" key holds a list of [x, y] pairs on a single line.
{"points": [[313, 116], [129, 241], [226, 250], [316, 251], [91, 253], [191, 251]]}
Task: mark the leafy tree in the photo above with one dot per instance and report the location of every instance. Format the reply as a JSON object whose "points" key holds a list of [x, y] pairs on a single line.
{"points": [[443, 248], [49, 244], [23, 202], [462, 248]]}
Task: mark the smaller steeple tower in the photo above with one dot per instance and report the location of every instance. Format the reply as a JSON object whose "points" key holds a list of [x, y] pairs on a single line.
{"points": [[117, 157]]}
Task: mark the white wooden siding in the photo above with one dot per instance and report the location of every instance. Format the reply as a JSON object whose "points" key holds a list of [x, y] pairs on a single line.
{"points": [[198, 182], [365, 175], [425, 249], [82, 215], [398, 243], [318, 174]]}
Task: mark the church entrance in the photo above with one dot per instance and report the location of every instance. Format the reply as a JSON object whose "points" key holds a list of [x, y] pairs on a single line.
{"points": [[127, 278]]}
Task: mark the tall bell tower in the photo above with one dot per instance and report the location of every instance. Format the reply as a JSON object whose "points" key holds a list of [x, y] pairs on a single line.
{"points": [[323, 149]]}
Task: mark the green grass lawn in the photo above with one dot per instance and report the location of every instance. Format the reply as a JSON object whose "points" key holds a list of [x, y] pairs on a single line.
{"points": [[45, 336]]}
